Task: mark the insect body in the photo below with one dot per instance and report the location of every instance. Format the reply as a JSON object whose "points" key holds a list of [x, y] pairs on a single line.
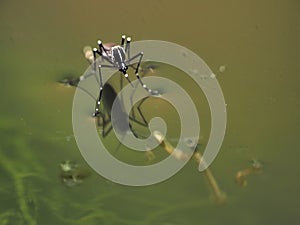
{"points": [[118, 57]]}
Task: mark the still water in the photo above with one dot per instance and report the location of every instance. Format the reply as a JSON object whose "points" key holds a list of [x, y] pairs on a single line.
{"points": [[252, 47]]}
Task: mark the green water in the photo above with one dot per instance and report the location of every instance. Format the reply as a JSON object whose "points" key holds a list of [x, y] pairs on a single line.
{"points": [[258, 42]]}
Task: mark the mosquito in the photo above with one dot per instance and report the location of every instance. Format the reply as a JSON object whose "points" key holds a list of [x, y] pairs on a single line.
{"points": [[117, 56], [108, 96]]}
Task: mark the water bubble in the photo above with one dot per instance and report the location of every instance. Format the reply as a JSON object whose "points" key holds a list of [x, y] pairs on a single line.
{"points": [[222, 69], [190, 143]]}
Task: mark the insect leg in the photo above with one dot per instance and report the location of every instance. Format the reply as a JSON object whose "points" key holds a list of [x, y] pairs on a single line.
{"points": [[127, 48], [126, 76], [104, 123], [97, 107], [123, 40], [137, 73], [133, 117], [106, 132], [140, 111], [102, 52]]}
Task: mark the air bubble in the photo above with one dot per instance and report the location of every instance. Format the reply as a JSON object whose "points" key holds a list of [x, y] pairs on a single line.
{"points": [[222, 69], [190, 143]]}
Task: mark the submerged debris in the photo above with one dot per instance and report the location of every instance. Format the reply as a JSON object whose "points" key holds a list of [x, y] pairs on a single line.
{"points": [[218, 194], [69, 81], [240, 177], [72, 174]]}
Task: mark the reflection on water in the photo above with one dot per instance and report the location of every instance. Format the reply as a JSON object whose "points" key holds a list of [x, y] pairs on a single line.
{"points": [[252, 47]]}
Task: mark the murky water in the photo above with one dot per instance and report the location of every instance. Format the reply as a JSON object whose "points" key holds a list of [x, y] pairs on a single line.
{"points": [[252, 47]]}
